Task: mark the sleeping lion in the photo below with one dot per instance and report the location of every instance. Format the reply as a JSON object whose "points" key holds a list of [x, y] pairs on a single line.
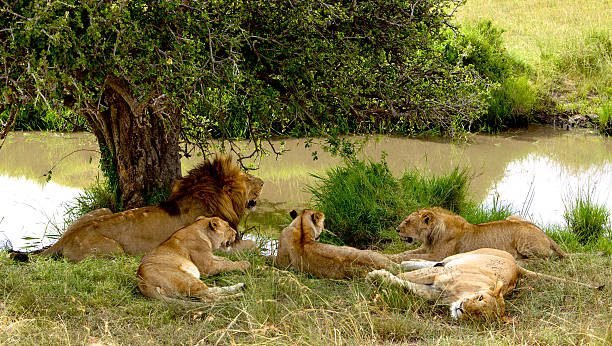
{"points": [[298, 248], [472, 283], [443, 233], [173, 269]]}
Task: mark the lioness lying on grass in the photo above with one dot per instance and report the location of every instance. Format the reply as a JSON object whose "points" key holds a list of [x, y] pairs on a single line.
{"points": [[443, 233], [173, 269], [298, 248], [472, 283]]}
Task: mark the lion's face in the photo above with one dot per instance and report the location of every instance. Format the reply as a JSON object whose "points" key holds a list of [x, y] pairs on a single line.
{"points": [[416, 226], [254, 186], [220, 233], [488, 305]]}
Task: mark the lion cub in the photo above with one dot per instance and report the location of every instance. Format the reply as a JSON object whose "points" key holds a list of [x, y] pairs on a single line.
{"points": [[443, 233], [298, 248], [173, 269]]}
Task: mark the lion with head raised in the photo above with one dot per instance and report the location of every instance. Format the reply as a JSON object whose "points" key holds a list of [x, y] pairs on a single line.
{"points": [[299, 248], [443, 233], [173, 269], [214, 188]]}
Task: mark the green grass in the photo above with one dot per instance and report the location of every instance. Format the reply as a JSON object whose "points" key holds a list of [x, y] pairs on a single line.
{"points": [[566, 44], [57, 302], [588, 220], [363, 202]]}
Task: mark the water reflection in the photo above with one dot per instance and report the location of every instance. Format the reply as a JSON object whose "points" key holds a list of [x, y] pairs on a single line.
{"points": [[553, 164], [539, 187], [31, 209]]}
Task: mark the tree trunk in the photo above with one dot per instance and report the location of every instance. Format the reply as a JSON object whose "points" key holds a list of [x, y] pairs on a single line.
{"points": [[139, 144]]}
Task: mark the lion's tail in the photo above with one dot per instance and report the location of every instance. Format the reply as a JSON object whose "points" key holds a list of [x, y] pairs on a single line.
{"points": [[529, 273]]}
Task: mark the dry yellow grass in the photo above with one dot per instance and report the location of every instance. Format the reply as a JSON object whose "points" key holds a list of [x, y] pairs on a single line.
{"points": [[552, 37]]}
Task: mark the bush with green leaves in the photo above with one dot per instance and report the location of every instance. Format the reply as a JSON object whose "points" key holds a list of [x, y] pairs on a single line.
{"points": [[586, 219], [512, 97]]}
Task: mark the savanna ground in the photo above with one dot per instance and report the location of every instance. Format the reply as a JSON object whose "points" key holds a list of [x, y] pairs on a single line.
{"points": [[97, 302]]}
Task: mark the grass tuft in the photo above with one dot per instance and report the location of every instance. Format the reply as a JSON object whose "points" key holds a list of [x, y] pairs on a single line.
{"points": [[586, 219]]}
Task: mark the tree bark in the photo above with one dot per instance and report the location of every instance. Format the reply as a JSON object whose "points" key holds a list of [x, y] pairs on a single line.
{"points": [[139, 143]]}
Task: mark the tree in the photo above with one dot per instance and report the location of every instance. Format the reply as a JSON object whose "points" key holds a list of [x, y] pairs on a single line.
{"points": [[129, 67], [149, 75]]}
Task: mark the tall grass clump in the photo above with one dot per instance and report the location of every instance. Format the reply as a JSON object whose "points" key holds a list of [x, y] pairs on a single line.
{"points": [[363, 202], [360, 200], [476, 214], [448, 191], [586, 219], [98, 195], [589, 57], [605, 118]]}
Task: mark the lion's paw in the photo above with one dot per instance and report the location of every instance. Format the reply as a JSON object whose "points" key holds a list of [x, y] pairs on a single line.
{"points": [[378, 275], [244, 265]]}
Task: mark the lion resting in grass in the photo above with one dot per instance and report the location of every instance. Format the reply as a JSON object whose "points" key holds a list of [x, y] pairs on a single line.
{"points": [[443, 233], [472, 283], [173, 269], [298, 248], [214, 188]]}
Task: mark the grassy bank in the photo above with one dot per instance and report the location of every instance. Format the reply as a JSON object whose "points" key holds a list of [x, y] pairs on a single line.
{"points": [[96, 301], [565, 43]]}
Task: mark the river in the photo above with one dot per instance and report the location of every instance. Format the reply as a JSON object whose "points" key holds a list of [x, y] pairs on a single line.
{"points": [[537, 171]]}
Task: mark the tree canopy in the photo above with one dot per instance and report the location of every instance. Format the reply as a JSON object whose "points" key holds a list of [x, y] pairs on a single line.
{"points": [[184, 71]]}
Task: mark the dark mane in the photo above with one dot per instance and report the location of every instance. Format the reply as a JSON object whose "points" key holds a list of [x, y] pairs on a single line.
{"points": [[219, 185]]}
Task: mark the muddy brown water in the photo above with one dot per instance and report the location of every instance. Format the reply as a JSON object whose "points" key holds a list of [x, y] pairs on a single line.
{"points": [[537, 171]]}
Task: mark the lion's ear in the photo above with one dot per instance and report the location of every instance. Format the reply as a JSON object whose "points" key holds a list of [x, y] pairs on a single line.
{"points": [[497, 290], [427, 217], [215, 224], [293, 214]]}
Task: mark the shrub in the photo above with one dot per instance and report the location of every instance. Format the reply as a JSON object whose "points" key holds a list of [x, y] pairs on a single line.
{"points": [[33, 118], [587, 220], [360, 200], [482, 46], [512, 98]]}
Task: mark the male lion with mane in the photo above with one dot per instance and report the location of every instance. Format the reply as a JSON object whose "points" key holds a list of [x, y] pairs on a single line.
{"points": [[472, 283], [298, 248], [443, 233], [172, 270], [213, 188]]}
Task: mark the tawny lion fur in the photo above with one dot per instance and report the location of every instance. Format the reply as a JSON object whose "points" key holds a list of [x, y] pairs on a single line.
{"points": [[298, 248], [443, 233], [214, 188], [472, 283], [173, 269]]}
